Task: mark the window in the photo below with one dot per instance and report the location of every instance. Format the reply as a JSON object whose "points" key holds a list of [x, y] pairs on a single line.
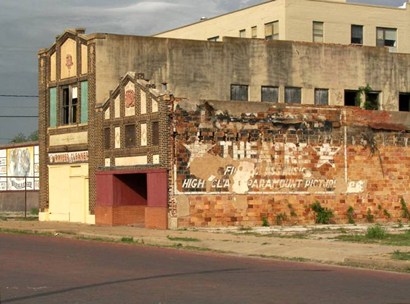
{"points": [[272, 30], [107, 138], [53, 107], [386, 37], [155, 133], [242, 33], [69, 105], [350, 97], [357, 34], [84, 102], [269, 93], [216, 38], [293, 95], [404, 102], [130, 134], [321, 96], [239, 92], [317, 31], [254, 32]]}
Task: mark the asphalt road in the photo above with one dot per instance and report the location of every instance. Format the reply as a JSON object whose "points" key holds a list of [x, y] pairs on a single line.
{"points": [[37, 269]]}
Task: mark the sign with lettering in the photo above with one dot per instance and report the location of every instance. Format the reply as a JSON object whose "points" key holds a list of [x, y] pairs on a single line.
{"points": [[258, 167], [68, 157]]}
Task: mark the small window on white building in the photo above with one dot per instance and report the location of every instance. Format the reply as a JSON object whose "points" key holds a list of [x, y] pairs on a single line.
{"points": [[269, 93], [254, 32], [272, 30], [242, 33], [357, 34], [293, 95], [318, 31], [321, 96], [215, 38], [387, 37], [239, 92]]}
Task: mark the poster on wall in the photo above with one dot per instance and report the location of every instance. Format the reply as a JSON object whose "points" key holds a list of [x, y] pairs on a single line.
{"points": [[20, 164]]}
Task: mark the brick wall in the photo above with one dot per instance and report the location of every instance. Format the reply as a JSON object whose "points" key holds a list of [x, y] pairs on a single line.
{"points": [[238, 164]]}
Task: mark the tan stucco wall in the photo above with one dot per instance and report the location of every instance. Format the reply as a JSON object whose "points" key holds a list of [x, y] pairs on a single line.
{"points": [[295, 22], [205, 70]]}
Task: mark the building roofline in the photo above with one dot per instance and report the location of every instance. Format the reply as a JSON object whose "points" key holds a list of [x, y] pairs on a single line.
{"points": [[269, 1]]}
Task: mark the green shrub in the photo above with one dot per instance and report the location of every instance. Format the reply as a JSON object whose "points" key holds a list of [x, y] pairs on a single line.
{"points": [[404, 209], [323, 215], [265, 222], [280, 218], [350, 215], [369, 216], [376, 232]]}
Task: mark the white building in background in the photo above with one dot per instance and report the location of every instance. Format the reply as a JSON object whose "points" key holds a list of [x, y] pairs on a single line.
{"points": [[327, 21]]}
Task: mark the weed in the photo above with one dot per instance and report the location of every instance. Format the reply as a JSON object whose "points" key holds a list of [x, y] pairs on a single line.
{"points": [[280, 218], [399, 223], [292, 211], [369, 216], [404, 209], [402, 256], [376, 232], [350, 215], [265, 222], [386, 213], [182, 239], [34, 211], [127, 239], [323, 215]]}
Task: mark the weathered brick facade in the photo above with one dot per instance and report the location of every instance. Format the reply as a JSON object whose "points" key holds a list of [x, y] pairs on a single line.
{"points": [[238, 164], [216, 163]]}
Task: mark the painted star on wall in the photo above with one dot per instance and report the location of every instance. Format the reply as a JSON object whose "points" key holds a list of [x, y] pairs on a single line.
{"points": [[197, 150], [326, 155]]}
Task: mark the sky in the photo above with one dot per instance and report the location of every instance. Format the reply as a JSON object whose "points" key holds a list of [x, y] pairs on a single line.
{"points": [[28, 25]]}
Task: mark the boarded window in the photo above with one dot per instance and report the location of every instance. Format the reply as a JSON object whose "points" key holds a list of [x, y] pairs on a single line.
{"points": [[155, 133], [293, 95], [84, 102], [269, 93], [321, 96], [317, 31], [272, 30], [53, 107], [239, 92], [107, 138], [357, 34], [130, 135]]}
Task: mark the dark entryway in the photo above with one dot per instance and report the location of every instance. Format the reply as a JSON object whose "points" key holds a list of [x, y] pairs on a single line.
{"points": [[132, 198]]}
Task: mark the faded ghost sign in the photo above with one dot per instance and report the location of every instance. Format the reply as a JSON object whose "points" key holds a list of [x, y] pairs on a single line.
{"points": [[243, 167]]}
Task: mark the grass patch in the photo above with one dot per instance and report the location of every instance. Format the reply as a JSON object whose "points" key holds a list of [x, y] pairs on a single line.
{"points": [[380, 236], [127, 239], [402, 256], [182, 239]]}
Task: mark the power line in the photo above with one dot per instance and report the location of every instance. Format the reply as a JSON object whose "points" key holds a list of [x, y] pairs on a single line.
{"points": [[16, 95], [18, 116]]}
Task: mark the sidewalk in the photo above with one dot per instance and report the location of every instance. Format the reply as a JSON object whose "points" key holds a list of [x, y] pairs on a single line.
{"points": [[252, 243]]}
